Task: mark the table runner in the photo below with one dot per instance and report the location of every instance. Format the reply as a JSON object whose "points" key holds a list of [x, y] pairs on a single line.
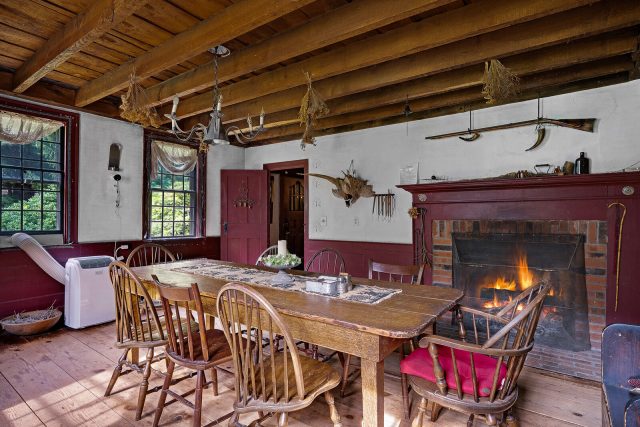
{"points": [[366, 294]]}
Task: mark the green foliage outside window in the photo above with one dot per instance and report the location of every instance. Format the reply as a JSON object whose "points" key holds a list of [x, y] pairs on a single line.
{"points": [[173, 203]]}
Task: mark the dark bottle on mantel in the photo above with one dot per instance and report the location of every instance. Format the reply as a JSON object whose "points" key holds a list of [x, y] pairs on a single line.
{"points": [[582, 165]]}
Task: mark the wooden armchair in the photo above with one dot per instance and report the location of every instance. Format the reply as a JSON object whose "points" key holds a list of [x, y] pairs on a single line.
{"points": [[193, 347], [279, 382], [391, 273], [149, 254], [137, 326], [477, 375]]}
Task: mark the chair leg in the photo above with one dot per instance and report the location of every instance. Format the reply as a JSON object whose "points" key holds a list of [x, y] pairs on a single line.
{"points": [[470, 420], [116, 373], [417, 421], [511, 420], [345, 374], [163, 393], [435, 411], [144, 385], [333, 412], [214, 381], [233, 421], [197, 407], [314, 352], [405, 396], [491, 419], [283, 419]]}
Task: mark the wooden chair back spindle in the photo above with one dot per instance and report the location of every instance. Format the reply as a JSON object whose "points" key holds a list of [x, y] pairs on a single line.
{"points": [[326, 261], [396, 273], [259, 376], [149, 254], [182, 333], [271, 250], [136, 317]]}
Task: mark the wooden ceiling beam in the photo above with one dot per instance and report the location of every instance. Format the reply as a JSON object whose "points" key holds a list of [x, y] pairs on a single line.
{"points": [[86, 27], [235, 20], [559, 56], [471, 95], [337, 25], [561, 28], [461, 108], [429, 34]]}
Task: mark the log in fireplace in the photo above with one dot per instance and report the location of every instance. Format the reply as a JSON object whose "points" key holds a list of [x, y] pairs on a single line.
{"points": [[492, 269]]}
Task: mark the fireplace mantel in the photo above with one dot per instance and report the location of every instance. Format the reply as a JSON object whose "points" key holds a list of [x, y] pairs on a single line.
{"points": [[575, 197]]}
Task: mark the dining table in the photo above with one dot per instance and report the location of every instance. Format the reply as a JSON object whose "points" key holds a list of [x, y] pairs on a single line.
{"points": [[370, 331]]}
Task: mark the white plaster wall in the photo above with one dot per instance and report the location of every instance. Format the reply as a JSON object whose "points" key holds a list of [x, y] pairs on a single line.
{"points": [[98, 218], [379, 153], [218, 158]]}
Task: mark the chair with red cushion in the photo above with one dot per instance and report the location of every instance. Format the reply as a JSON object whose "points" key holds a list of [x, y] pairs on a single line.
{"points": [[477, 376]]}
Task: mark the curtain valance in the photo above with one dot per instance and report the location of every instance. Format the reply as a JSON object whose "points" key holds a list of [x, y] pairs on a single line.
{"points": [[176, 158], [17, 128]]}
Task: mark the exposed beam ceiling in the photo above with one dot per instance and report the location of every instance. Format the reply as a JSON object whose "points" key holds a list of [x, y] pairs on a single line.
{"points": [[334, 26], [428, 34], [559, 56], [529, 85], [232, 22], [80, 32], [525, 37]]}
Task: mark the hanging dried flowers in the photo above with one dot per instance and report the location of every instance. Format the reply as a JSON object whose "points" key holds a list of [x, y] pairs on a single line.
{"points": [[500, 83], [311, 108], [135, 106], [413, 212]]}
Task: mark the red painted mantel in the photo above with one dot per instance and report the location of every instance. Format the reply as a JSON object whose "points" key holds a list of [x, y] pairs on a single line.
{"points": [[574, 197]]}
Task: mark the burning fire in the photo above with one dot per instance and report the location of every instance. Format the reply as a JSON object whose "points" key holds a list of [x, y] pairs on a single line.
{"points": [[524, 281]]}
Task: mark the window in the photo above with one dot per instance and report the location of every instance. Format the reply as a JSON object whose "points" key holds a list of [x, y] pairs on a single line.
{"points": [[38, 180], [174, 202], [32, 186]]}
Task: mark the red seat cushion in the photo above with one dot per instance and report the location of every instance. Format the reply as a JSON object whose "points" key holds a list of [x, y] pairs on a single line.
{"points": [[420, 364]]}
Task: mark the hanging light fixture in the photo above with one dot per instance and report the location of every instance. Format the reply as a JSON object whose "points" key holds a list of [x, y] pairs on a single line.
{"points": [[213, 133]]}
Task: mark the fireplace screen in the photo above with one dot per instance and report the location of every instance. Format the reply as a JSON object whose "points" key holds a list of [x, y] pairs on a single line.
{"points": [[492, 269]]}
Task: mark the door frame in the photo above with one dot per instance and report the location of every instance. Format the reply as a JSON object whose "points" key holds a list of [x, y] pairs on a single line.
{"points": [[294, 164]]}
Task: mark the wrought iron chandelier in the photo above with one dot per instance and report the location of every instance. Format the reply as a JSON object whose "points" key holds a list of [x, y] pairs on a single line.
{"points": [[213, 133]]}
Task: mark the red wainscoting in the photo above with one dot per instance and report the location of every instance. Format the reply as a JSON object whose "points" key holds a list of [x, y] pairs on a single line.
{"points": [[24, 286], [357, 254]]}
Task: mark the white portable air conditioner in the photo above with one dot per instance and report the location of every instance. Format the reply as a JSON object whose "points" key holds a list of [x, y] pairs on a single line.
{"points": [[88, 294]]}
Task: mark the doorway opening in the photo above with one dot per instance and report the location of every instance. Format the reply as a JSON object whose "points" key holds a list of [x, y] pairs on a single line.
{"points": [[288, 205]]}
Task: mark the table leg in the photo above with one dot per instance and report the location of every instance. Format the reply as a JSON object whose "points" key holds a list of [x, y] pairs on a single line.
{"points": [[372, 373]]}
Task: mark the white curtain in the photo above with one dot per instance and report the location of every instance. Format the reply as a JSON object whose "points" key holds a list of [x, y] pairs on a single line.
{"points": [[175, 158], [17, 128]]}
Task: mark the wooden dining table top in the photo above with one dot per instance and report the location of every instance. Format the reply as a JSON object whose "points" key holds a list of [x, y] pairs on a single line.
{"points": [[403, 315]]}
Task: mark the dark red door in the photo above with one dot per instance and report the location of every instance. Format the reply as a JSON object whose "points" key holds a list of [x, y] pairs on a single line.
{"points": [[244, 215]]}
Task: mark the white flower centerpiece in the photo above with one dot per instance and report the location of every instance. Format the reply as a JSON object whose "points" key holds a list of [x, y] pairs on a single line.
{"points": [[282, 262]]}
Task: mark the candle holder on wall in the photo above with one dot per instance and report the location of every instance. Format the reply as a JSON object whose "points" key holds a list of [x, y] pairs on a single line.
{"points": [[244, 201]]}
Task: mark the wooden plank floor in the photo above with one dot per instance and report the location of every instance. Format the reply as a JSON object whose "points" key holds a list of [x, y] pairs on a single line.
{"points": [[58, 379]]}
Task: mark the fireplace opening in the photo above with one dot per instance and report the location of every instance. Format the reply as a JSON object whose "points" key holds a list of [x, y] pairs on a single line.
{"points": [[494, 268]]}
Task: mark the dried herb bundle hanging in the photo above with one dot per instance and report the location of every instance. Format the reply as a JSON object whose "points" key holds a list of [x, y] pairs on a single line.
{"points": [[311, 108], [499, 82], [135, 106]]}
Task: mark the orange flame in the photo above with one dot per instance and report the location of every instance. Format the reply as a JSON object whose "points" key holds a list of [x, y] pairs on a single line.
{"points": [[525, 280]]}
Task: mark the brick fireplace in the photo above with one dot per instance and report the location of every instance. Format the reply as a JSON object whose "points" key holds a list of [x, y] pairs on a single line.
{"points": [[462, 224]]}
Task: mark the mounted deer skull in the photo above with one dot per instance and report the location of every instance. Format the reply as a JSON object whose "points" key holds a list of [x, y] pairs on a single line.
{"points": [[350, 188]]}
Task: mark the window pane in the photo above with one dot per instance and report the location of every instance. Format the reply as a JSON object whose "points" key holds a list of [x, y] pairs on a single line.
{"points": [[156, 229], [50, 221], [171, 204], [32, 151], [32, 201], [32, 185], [11, 221], [31, 221]]}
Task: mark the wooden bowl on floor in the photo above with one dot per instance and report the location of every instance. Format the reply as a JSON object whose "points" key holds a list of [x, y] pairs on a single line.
{"points": [[31, 327]]}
